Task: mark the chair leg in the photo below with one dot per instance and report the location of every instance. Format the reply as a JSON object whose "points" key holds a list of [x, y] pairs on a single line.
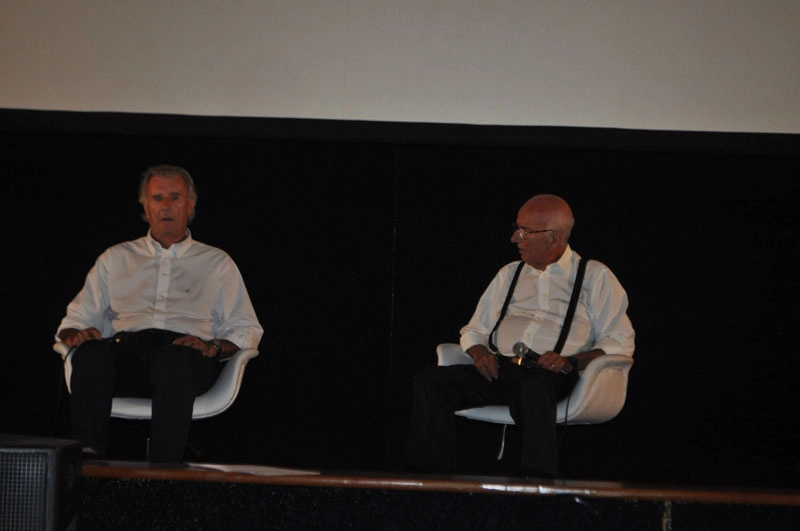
{"points": [[502, 443]]}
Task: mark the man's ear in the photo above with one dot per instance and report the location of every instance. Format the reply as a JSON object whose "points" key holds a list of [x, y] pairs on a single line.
{"points": [[193, 203]]}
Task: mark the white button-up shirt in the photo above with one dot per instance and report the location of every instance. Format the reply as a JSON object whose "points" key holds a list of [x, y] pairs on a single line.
{"points": [[536, 312], [191, 288]]}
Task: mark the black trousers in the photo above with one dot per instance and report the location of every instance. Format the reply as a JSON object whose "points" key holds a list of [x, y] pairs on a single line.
{"points": [[532, 395], [139, 364]]}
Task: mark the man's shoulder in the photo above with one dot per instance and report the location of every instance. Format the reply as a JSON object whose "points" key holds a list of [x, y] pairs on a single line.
{"points": [[510, 269], [512, 266], [599, 275], [199, 247], [210, 256], [127, 246], [597, 266]]}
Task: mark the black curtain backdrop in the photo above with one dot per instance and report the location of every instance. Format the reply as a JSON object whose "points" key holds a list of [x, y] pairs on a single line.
{"points": [[364, 245]]}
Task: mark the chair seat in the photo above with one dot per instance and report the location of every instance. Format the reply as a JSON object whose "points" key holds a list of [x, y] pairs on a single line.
{"points": [[213, 402], [598, 396]]}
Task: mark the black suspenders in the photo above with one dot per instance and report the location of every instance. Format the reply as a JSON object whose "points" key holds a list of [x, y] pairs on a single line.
{"points": [[573, 303]]}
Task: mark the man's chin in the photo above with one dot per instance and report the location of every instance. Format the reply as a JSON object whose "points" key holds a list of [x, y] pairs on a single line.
{"points": [[167, 225], [171, 231]]}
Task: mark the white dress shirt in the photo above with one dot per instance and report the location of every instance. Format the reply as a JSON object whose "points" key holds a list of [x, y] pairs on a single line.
{"points": [[536, 313], [191, 288]]}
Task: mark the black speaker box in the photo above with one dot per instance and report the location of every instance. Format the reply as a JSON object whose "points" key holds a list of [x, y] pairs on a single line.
{"points": [[39, 483]]}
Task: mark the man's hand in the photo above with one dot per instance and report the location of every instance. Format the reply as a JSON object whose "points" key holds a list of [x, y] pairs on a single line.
{"points": [[485, 361], [553, 362], [72, 337], [205, 348]]}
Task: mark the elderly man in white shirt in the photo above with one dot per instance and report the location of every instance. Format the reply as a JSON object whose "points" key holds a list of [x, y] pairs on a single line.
{"points": [[154, 318], [537, 305]]}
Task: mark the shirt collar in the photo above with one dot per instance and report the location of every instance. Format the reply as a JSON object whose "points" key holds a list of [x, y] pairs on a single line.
{"points": [[176, 249], [565, 262]]}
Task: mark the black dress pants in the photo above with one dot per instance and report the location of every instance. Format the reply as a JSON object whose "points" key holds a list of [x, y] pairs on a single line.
{"points": [[532, 395], [139, 364]]}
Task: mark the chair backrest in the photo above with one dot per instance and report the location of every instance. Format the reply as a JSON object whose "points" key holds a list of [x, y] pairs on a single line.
{"points": [[213, 402], [598, 396]]}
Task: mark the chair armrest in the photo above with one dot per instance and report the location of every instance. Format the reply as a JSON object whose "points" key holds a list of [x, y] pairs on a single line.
{"points": [[600, 392], [451, 354], [224, 392], [66, 356], [61, 348], [607, 361]]}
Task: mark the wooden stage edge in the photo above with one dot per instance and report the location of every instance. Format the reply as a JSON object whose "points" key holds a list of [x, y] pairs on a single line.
{"points": [[210, 472]]}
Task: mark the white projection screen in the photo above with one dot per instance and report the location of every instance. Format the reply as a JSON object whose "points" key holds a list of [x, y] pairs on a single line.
{"points": [[685, 65]]}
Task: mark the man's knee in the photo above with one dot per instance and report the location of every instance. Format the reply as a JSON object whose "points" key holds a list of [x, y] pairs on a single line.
{"points": [[423, 376]]}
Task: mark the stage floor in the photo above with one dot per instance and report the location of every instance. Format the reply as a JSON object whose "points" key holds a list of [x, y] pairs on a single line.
{"points": [[259, 474]]}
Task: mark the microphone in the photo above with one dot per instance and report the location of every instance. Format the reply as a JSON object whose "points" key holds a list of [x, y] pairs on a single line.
{"points": [[522, 350]]}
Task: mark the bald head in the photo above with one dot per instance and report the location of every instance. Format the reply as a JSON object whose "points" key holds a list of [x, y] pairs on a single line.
{"points": [[552, 211], [544, 225]]}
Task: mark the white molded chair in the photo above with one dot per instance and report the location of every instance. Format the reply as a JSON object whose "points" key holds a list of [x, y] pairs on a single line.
{"points": [[213, 402], [597, 397]]}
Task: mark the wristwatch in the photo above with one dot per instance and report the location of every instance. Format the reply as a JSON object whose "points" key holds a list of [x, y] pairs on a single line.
{"points": [[217, 345]]}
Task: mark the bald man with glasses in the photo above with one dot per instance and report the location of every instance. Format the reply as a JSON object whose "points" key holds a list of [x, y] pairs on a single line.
{"points": [[526, 302]]}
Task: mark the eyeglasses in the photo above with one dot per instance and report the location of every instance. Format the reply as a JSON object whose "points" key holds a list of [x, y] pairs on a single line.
{"points": [[523, 232]]}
